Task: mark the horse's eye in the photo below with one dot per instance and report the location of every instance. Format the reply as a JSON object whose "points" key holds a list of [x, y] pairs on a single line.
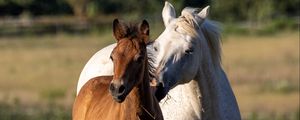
{"points": [[111, 58], [189, 51], [155, 48], [140, 58]]}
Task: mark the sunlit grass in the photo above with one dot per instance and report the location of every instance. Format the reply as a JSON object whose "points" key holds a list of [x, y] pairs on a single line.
{"points": [[264, 72]]}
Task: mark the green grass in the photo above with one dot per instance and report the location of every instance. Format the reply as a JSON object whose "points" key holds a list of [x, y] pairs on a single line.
{"points": [[50, 111], [274, 116], [264, 73], [38, 74]]}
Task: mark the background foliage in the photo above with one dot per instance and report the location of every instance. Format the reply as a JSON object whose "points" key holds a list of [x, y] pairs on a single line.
{"points": [[261, 11]]}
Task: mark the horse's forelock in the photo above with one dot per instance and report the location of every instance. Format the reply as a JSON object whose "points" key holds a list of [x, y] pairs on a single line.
{"points": [[209, 29]]}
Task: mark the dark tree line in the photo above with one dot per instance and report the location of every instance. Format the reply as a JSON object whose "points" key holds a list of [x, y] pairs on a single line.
{"points": [[34, 7], [229, 10]]}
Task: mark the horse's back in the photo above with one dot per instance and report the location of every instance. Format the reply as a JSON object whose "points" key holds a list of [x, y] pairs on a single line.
{"points": [[91, 97], [98, 65]]}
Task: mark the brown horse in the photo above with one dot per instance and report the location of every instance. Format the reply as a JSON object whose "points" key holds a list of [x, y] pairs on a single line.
{"points": [[127, 94]]}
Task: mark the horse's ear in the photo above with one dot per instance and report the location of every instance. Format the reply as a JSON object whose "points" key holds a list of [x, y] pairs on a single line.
{"points": [[168, 13], [204, 12], [119, 29], [144, 30]]}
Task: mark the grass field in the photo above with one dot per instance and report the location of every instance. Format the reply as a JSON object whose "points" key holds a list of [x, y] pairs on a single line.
{"points": [[38, 74], [264, 72]]}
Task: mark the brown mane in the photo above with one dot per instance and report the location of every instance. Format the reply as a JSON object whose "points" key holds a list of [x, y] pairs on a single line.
{"points": [[127, 94]]}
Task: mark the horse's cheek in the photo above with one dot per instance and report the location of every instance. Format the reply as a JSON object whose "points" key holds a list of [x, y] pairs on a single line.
{"points": [[191, 69]]}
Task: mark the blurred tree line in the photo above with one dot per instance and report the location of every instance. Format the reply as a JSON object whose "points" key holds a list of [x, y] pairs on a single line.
{"points": [[236, 10], [252, 12], [34, 7], [229, 10]]}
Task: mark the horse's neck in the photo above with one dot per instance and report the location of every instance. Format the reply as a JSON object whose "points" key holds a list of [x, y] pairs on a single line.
{"points": [[184, 96], [218, 100], [147, 105]]}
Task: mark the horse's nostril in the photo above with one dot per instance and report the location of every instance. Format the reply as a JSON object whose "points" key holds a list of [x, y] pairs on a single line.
{"points": [[111, 87], [121, 89], [160, 84]]}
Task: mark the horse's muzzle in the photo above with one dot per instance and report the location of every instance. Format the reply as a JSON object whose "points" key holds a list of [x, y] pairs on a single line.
{"points": [[117, 91]]}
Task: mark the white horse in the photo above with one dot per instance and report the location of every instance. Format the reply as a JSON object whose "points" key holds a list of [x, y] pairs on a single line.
{"points": [[187, 57], [188, 62]]}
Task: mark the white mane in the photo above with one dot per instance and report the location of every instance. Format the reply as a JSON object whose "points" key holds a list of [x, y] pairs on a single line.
{"points": [[209, 28]]}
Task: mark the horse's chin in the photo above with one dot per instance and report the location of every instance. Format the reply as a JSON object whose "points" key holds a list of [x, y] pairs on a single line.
{"points": [[119, 98], [160, 92]]}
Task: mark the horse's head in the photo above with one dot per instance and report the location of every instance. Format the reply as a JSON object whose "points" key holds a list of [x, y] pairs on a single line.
{"points": [[129, 57], [178, 47]]}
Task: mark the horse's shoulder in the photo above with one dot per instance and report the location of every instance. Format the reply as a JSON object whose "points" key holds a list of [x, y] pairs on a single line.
{"points": [[94, 85], [101, 80], [90, 93]]}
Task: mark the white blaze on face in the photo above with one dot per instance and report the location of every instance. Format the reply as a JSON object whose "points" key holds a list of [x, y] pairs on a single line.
{"points": [[174, 53], [171, 45]]}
